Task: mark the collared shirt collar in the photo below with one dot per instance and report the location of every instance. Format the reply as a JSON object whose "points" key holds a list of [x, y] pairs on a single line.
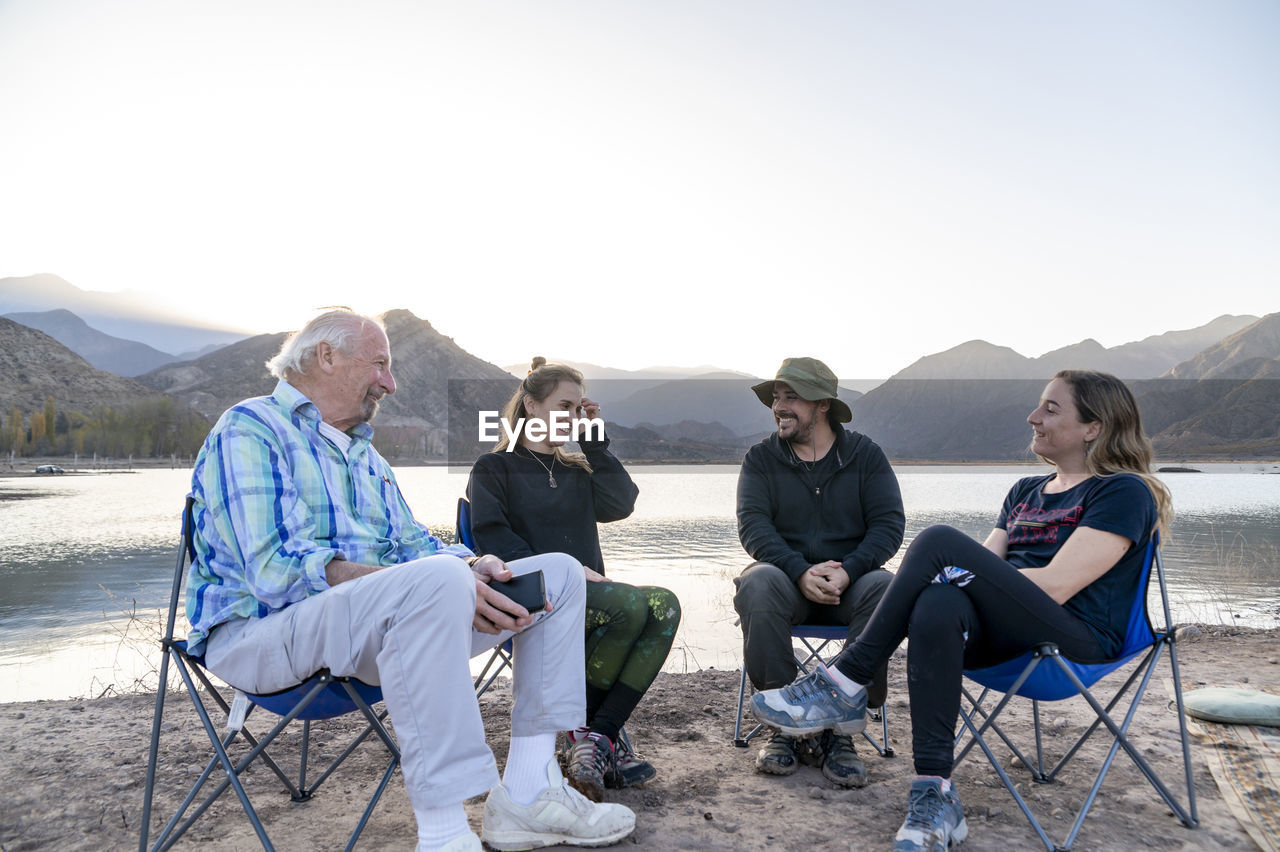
{"points": [[293, 400]]}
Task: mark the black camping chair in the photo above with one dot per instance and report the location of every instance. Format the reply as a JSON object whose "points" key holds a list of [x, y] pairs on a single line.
{"points": [[322, 696], [1045, 675], [824, 635]]}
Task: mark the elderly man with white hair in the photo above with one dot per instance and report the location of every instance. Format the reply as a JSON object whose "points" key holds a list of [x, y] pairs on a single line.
{"points": [[308, 557]]}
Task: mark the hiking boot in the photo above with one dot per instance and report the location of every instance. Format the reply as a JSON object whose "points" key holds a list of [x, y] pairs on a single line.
{"points": [[590, 762], [560, 814], [778, 756], [935, 820], [810, 705], [629, 768], [840, 762]]}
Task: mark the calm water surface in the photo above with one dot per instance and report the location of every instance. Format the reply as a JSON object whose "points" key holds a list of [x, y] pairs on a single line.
{"points": [[86, 561]]}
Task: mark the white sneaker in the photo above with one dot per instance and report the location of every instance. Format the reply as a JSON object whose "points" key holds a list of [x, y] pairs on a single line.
{"points": [[462, 843], [560, 814]]}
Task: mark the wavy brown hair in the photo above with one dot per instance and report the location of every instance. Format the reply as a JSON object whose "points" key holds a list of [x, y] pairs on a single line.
{"points": [[1121, 446], [540, 383]]}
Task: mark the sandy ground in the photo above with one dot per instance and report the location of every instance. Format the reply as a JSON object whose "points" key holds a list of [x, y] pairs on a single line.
{"points": [[72, 776]]}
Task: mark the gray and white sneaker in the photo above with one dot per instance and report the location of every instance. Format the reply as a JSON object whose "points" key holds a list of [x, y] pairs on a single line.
{"points": [[840, 762], [935, 820], [629, 768], [560, 815], [811, 705], [778, 756], [590, 762]]}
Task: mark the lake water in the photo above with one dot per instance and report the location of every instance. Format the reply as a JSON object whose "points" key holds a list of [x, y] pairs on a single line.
{"points": [[86, 560]]}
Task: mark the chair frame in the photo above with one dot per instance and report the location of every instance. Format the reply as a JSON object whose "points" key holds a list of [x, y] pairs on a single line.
{"points": [[976, 721], [824, 634], [501, 657], [320, 696]]}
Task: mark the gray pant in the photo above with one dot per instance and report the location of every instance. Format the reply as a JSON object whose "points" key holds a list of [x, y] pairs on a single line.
{"points": [[408, 628], [769, 603]]}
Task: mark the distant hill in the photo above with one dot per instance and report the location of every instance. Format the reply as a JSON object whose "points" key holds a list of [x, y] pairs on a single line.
{"points": [[1221, 402], [113, 354], [127, 315], [434, 374], [34, 366], [1235, 355], [1144, 359]]}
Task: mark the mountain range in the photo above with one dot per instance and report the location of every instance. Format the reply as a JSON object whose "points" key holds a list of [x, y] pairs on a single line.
{"points": [[1206, 392], [127, 315]]}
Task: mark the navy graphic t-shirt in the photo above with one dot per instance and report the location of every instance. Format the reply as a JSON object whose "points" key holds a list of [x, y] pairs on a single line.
{"points": [[1038, 524]]}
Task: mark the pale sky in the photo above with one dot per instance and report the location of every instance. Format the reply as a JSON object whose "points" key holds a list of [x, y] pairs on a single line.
{"points": [[633, 183]]}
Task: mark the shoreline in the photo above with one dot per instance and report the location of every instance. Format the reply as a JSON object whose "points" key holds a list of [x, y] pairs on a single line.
{"points": [[707, 795], [25, 467]]}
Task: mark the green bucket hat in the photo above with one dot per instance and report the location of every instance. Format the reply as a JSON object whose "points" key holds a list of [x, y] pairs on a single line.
{"points": [[810, 379]]}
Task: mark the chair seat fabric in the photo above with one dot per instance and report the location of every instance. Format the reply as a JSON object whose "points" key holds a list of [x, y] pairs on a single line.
{"points": [[1048, 682], [332, 702]]}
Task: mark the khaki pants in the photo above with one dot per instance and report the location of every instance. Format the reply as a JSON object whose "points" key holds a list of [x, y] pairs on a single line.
{"points": [[408, 628]]}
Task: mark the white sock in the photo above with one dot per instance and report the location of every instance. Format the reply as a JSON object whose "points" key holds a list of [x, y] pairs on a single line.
{"points": [[437, 826], [847, 686], [525, 775]]}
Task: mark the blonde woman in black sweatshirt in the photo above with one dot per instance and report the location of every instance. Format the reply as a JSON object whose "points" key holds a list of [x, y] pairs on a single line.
{"points": [[534, 497]]}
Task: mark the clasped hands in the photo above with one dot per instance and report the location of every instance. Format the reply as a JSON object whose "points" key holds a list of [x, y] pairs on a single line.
{"points": [[495, 612], [824, 583]]}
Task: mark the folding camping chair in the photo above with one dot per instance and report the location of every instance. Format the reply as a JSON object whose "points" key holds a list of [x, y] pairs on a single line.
{"points": [[501, 657], [322, 696], [825, 634], [1045, 675]]}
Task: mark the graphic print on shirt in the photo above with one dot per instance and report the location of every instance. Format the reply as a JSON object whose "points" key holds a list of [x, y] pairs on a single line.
{"points": [[1033, 525]]}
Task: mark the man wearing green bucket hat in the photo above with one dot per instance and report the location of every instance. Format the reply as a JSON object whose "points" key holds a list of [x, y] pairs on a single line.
{"points": [[820, 512]]}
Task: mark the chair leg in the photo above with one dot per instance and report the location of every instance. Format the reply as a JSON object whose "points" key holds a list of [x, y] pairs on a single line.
{"points": [[738, 739], [882, 748], [154, 753]]}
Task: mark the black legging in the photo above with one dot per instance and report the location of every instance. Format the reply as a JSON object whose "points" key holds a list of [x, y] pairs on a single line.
{"points": [[984, 612]]}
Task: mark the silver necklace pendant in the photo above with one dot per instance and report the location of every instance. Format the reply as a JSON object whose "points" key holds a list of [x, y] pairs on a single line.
{"points": [[551, 480]]}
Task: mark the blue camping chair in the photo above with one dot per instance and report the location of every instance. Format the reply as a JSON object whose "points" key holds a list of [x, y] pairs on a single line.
{"points": [[1043, 674], [501, 657], [322, 696], [824, 634]]}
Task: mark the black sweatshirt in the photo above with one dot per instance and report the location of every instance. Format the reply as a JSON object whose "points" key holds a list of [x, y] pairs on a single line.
{"points": [[790, 517], [516, 513]]}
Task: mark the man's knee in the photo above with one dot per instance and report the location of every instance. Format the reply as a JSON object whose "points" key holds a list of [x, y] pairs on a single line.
{"points": [[435, 579], [562, 575], [763, 587], [871, 586]]}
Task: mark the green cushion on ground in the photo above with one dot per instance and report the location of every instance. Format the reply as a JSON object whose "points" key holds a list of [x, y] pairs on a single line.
{"points": [[1233, 705]]}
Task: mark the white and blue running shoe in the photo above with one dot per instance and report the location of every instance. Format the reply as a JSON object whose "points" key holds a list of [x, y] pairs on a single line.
{"points": [[811, 705], [935, 820]]}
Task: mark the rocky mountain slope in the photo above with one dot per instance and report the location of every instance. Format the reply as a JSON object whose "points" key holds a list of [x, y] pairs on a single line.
{"points": [[113, 354], [34, 366], [436, 377]]}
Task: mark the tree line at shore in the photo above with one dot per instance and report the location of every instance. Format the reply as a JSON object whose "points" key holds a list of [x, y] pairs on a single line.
{"points": [[154, 427]]}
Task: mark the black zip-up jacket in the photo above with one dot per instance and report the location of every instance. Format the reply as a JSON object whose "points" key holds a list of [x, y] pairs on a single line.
{"points": [[853, 517]]}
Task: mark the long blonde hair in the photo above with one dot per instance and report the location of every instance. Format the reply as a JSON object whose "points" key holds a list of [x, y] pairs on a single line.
{"points": [[540, 383], [1121, 446]]}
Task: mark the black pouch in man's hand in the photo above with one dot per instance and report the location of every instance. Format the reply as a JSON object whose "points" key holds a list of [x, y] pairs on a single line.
{"points": [[527, 590]]}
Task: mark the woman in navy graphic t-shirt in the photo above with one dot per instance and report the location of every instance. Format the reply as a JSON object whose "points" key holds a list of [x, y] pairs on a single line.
{"points": [[1062, 565]]}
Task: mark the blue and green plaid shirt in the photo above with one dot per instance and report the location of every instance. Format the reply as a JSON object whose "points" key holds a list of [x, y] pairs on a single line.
{"points": [[276, 501]]}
